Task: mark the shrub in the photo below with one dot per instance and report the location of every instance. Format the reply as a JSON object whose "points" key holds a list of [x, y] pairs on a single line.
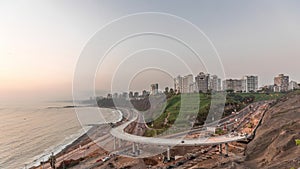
{"points": [[219, 132], [150, 133], [297, 142]]}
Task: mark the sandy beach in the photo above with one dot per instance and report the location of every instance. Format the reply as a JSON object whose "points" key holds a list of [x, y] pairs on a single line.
{"points": [[76, 150], [86, 146]]}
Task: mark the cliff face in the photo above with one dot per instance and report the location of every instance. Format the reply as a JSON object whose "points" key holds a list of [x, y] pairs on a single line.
{"points": [[274, 144]]}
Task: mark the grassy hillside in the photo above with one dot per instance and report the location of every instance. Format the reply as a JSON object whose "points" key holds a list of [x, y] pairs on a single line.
{"points": [[166, 117]]}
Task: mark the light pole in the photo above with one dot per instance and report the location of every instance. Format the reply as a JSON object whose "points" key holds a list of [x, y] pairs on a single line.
{"points": [[63, 162], [42, 164]]}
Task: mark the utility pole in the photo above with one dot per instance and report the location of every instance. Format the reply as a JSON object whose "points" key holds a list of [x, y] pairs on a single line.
{"points": [[64, 166], [52, 161], [168, 153]]}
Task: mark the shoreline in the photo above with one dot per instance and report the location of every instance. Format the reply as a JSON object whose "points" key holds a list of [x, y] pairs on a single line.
{"points": [[81, 140], [57, 149]]}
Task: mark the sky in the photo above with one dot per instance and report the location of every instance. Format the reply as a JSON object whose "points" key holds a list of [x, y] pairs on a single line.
{"points": [[42, 41]]}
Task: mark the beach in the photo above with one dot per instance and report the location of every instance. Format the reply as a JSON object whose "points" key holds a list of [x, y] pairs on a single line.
{"points": [[78, 149], [30, 133]]}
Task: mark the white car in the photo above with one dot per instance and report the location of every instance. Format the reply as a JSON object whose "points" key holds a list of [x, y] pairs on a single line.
{"points": [[105, 159]]}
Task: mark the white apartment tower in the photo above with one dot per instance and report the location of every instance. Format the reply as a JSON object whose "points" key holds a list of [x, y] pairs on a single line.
{"points": [[250, 84], [178, 84], [187, 82], [154, 89], [215, 83]]}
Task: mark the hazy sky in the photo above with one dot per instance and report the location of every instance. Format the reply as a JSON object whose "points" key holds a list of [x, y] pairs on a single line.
{"points": [[40, 41]]}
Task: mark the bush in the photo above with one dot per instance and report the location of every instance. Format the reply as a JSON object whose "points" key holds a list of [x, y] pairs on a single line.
{"points": [[69, 163], [297, 142], [219, 132], [249, 125], [150, 133]]}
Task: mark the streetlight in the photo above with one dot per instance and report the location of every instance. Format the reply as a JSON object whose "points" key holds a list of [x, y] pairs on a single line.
{"points": [[42, 163]]}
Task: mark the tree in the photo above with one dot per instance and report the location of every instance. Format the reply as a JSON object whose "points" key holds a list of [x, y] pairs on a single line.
{"points": [[130, 94], [166, 91], [229, 91], [171, 93]]}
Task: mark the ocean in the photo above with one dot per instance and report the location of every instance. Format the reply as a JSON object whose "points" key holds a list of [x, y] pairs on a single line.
{"points": [[28, 134]]}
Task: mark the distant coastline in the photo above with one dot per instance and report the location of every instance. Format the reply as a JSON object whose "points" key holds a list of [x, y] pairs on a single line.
{"points": [[69, 106]]}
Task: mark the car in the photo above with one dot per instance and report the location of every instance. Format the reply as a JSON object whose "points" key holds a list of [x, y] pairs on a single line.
{"points": [[112, 155], [170, 166], [105, 159], [179, 163]]}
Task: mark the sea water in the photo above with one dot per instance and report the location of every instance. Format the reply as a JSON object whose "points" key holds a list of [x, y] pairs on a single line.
{"points": [[29, 134]]}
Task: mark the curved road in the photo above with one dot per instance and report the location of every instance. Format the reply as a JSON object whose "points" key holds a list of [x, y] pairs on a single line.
{"points": [[119, 133]]}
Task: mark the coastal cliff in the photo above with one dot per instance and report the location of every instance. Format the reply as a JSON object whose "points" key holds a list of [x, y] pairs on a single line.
{"points": [[274, 144]]}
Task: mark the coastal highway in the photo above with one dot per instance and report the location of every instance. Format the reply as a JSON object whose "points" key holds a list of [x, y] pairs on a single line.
{"points": [[119, 133], [168, 140]]}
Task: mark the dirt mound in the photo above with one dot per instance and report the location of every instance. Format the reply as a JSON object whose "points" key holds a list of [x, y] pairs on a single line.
{"points": [[149, 161], [274, 144]]}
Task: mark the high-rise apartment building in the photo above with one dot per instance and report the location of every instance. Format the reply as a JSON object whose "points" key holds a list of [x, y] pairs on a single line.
{"points": [[250, 84], [281, 83], [202, 81], [187, 81], [215, 83], [136, 94], [293, 85], [178, 84], [237, 85], [193, 88], [184, 84], [154, 89]]}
